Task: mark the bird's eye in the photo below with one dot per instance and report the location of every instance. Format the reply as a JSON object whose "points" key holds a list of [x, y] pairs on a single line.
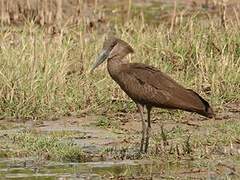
{"points": [[113, 44]]}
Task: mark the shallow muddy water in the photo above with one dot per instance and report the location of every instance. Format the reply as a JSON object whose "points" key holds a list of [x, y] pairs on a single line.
{"points": [[127, 169], [28, 169]]}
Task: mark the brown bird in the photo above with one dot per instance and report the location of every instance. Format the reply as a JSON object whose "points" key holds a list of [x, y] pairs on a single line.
{"points": [[147, 86]]}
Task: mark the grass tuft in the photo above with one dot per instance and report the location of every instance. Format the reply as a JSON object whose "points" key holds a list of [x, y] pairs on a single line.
{"points": [[49, 147]]}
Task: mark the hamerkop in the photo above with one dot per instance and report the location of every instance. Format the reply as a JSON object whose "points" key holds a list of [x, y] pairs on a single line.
{"points": [[147, 86]]}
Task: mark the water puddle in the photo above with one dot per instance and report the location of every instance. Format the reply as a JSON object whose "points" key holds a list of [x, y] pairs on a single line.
{"points": [[126, 169], [27, 169]]}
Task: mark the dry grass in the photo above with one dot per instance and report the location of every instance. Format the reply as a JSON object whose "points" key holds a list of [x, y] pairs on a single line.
{"points": [[44, 73]]}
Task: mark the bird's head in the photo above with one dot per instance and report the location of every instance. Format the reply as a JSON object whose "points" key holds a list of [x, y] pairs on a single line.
{"points": [[112, 48]]}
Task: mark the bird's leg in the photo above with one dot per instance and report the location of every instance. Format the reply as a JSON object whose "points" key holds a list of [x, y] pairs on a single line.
{"points": [[148, 128], [141, 108]]}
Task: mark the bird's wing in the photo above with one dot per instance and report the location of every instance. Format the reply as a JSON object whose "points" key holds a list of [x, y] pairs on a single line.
{"points": [[143, 83], [152, 76], [149, 85]]}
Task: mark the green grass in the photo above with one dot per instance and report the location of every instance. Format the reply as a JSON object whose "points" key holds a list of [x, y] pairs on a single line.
{"points": [[212, 140], [44, 75], [48, 147], [103, 121]]}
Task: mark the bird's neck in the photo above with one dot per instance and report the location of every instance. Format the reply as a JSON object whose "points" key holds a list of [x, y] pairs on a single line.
{"points": [[114, 66]]}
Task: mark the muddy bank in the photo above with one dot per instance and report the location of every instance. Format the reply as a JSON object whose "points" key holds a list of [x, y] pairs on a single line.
{"points": [[188, 146]]}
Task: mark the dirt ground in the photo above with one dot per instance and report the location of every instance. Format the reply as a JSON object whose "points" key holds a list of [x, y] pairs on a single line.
{"points": [[128, 128]]}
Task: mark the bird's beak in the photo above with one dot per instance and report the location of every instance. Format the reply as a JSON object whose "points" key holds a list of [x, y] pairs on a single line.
{"points": [[100, 59]]}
